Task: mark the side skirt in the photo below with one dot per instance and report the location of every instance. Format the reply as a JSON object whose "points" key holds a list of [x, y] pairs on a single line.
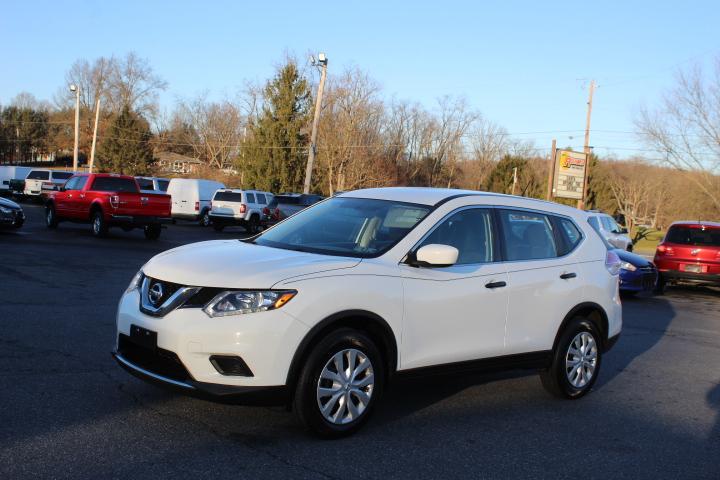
{"points": [[520, 361]]}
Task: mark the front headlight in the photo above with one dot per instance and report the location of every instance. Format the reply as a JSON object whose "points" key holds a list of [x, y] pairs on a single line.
{"points": [[627, 266], [135, 282], [244, 301]]}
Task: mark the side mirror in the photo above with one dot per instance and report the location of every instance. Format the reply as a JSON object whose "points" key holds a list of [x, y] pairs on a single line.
{"points": [[436, 255], [624, 230]]}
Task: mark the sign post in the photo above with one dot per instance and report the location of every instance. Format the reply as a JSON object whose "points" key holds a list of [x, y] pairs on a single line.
{"points": [[569, 179]]}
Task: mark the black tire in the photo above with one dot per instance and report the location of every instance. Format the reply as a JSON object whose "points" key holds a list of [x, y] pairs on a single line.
{"points": [[218, 227], [205, 220], [253, 224], [630, 248], [51, 220], [660, 286], [98, 224], [306, 403], [152, 232], [556, 379]]}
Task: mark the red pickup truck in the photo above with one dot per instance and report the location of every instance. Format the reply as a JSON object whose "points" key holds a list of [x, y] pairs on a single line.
{"points": [[108, 200]]}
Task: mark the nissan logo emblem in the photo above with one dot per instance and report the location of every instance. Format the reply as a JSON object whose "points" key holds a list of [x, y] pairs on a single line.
{"points": [[156, 293]]}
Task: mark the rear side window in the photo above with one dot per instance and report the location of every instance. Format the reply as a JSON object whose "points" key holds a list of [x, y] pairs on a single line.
{"points": [[114, 184], [470, 231], [228, 196], [261, 199], [701, 236], [527, 235], [163, 185], [144, 183], [38, 175], [570, 235], [250, 197]]}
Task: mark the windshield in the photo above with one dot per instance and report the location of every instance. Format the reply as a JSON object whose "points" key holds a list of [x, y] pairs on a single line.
{"points": [[353, 227]]}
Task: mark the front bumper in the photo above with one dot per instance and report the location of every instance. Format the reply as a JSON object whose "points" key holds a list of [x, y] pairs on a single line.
{"points": [[227, 219], [641, 280], [243, 395], [265, 341], [14, 218]]}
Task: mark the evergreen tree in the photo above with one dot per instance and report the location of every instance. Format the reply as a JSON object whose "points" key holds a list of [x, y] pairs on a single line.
{"points": [[501, 178], [275, 155], [126, 148]]}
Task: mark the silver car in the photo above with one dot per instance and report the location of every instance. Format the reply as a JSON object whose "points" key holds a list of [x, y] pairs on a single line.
{"points": [[616, 235]]}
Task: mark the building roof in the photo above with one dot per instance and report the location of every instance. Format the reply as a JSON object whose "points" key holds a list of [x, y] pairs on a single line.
{"points": [[172, 157]]}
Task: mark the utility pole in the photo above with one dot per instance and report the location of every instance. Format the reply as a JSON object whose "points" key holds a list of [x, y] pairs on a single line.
{"points": [[551, 170], [92, 150], [586, 149], [323, 61], [512, 192], [76, 89]]}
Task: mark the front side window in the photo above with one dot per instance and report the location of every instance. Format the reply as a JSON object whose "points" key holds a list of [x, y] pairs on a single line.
{"points": [[81, 181], [354, 227], [527, 235], [71, 184], [470, 231]]}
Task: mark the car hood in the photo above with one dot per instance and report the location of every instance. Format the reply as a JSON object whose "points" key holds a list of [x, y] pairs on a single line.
{"points": [[632, 258], [237, 264], [9, 203]]}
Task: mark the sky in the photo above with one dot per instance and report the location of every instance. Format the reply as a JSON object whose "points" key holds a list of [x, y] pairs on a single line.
{"points": [[524, 65]]}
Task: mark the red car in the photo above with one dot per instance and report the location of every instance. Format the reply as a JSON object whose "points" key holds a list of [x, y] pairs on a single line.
{"points": [[689, 253], [108, 200]]}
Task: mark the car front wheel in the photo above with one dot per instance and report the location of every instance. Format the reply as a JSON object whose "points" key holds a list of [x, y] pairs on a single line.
{"points": [[576, 361], [99, 226], [339, 385], [50, 217]]}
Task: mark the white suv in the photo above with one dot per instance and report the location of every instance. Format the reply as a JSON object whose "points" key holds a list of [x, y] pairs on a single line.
{"points": [[322, 310], [239, 207]]}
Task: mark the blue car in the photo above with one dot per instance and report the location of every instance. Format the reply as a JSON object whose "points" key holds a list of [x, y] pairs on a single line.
{"points": [[637, 274]]}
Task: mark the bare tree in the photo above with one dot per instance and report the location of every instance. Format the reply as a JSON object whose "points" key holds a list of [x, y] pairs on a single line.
{"points": [[216, 129], [133, 83], [686, 127]]}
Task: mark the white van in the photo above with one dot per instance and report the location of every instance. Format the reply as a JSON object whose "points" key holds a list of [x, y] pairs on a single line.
{"points": [[39, 177], [239, 207], [8, 173], [191, 198]]}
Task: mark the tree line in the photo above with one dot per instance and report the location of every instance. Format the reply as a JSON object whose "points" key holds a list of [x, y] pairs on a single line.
{"points": [[260, 137]]}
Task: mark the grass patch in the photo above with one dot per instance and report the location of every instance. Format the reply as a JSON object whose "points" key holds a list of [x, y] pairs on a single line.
{"points": [[647, 244]]}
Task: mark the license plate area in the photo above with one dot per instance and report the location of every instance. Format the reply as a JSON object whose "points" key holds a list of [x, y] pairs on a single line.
{"points": [[143, 337], [694, 268]]}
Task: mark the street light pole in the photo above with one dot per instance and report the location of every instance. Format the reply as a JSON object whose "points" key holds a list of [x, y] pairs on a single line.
{"points": [[322, 60], [76, 89], [92, 150]]}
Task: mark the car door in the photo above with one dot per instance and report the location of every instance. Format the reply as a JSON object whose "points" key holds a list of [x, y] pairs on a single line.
{"points": [[63, 198], [456, 313], [544, 277]]}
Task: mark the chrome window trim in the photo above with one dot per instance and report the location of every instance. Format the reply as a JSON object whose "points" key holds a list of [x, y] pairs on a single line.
{"points": [[501, 240], [175, 300]]}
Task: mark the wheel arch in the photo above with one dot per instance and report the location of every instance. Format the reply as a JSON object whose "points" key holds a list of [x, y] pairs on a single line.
{"points": [[593, 312], [364, 321], [95, 206]]}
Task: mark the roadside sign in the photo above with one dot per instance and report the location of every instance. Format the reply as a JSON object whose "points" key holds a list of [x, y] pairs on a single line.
{"points": [[569, 174]]}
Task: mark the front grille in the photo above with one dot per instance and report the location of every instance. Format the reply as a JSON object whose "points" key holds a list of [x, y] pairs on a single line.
{"points": [[168, 290], [159, 361]]}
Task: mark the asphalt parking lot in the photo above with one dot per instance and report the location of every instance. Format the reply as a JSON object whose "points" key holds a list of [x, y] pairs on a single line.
{"points": [[68, 411]]}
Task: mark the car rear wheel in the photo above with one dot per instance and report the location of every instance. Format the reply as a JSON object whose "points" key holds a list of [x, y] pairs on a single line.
{"points": [[253, 224], [576, 361], [205, 219], [50, 216], [99, 226], [152, 232], [340, 384]]}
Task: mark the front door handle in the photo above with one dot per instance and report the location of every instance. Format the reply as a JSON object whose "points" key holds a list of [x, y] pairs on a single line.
{"points": [[566, 276], [495, 284]]}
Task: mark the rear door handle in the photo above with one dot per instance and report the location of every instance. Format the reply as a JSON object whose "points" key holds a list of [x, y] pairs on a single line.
{"points": [[565, 276], [495, 284]]}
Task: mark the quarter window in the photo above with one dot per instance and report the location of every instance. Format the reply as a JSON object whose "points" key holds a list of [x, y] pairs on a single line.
{"points": [[470, 231], [261, 199], [527, 235], [571, 236]]}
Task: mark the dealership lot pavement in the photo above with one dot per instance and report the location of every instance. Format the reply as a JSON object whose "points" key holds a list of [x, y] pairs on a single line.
{"points": [[67, 411]]}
